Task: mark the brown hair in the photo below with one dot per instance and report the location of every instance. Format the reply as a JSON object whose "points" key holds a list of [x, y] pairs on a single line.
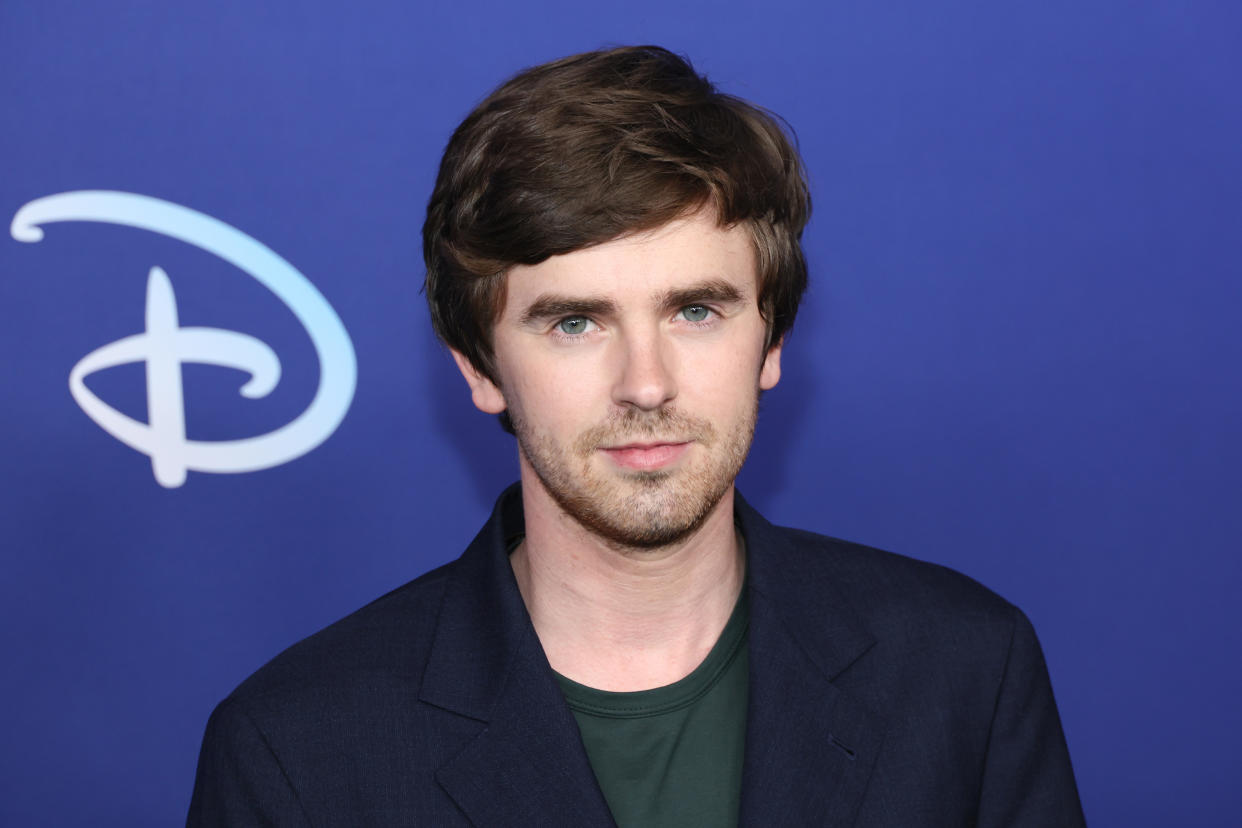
{"points": [[592, 147]]}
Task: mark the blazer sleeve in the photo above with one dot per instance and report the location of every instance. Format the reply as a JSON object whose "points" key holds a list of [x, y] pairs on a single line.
{"points": [[240, 781], [1027, 778]]}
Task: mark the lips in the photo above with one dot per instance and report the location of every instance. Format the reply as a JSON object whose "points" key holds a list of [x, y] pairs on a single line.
{"points": [[646, 456]]}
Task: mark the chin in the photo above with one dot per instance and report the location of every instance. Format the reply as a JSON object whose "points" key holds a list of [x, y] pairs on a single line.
{"points": [[653, 514]]}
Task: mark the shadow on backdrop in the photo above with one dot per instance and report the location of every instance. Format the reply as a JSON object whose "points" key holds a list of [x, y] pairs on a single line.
{"points": [[488, 453], [784, 415]]}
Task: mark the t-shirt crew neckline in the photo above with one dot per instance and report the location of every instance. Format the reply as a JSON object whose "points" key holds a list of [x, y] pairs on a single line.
{"points": [[660, 700]]}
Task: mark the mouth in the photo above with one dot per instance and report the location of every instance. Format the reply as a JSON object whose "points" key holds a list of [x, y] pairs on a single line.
{"points": [[646, 456]]}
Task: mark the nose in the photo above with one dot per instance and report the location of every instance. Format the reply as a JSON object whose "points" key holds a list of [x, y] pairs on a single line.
{"points": [[645, 376]]}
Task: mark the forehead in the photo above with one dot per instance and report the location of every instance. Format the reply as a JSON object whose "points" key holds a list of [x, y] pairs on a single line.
{"points": [[683, 252]]}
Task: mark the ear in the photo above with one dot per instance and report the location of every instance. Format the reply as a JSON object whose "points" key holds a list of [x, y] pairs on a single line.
{"points": [[770, 373], [486, 395]]}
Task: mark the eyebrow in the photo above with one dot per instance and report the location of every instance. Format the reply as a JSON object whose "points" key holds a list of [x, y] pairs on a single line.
{"points": [[710, 290], [552, 306]]}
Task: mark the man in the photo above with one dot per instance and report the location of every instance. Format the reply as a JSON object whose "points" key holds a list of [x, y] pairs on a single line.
{"points": [[613, 258]]}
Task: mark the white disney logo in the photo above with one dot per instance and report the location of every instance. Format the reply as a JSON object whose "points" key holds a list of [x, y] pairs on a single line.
{"points": [[165, 345]]}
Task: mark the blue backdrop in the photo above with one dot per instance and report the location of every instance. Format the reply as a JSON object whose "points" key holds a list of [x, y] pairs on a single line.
{"points": [[1019, 355]]}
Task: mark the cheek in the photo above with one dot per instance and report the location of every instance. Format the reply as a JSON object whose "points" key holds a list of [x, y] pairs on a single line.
{"points": [[548, 400], [722, 373]]}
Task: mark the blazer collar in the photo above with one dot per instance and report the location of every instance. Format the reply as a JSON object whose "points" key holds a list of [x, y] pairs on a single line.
{"points": [[483, 628], [810, 748], [528, 765]]}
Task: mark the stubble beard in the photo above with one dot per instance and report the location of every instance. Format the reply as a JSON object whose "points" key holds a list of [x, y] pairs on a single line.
{"points": [[633, 508]]}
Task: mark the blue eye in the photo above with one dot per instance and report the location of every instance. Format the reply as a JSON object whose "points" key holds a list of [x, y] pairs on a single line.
{"points": [[573, 325], [695, 313]]}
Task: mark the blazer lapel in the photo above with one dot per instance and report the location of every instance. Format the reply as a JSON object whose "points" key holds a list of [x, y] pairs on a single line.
{"points": [[810, 748], [527, 765]]}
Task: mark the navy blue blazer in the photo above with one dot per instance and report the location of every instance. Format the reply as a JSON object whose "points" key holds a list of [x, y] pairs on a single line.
{"points": [[883, 692]]}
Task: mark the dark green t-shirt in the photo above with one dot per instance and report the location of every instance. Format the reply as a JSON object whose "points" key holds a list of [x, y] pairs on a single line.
{"points": [[672, 756]]}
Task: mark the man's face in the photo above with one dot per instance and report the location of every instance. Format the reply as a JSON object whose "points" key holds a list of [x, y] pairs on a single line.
{"points": [[631, 371]]}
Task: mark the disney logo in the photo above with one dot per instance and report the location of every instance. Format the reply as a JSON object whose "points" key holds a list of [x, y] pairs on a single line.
{"points": [[165, 345]]}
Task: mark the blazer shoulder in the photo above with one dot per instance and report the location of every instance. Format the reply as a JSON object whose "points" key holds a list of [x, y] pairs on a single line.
{"points": [[332, 718], [886, 587], [937, 634], [387, 640]]}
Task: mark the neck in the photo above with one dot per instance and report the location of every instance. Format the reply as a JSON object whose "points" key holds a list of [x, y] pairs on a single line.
{"points": [[620, 618]]}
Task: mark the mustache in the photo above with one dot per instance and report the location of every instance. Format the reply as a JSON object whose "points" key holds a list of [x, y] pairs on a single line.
{"points": [[636, 425]]}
